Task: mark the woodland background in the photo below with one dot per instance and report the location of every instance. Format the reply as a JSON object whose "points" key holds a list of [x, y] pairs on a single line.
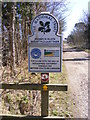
{"points": [[15, 23]]}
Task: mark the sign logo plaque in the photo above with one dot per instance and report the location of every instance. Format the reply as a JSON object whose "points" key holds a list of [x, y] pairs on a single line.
{"points": [[45, 51], [45, 77]]}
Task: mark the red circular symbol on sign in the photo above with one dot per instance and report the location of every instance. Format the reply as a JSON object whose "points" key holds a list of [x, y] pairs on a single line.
{"points": [[44, 77]]}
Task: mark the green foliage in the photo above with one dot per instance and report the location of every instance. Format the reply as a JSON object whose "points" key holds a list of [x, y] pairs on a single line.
{"points": [[8, 98], [55, 113], [25, 99], [79, 35]]}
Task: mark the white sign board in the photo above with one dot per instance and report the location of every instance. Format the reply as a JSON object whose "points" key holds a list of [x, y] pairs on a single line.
{"points": [[44, 45]]}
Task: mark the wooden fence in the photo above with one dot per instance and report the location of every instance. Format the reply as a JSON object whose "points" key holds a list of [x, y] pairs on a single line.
{"points": [[44, 88]]}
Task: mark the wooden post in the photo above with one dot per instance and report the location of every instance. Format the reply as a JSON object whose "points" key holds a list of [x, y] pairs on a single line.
{"points": [[44, 94]]}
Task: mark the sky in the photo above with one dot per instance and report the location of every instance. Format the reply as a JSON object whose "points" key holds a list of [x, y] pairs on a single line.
{"points": [[76, 13]]}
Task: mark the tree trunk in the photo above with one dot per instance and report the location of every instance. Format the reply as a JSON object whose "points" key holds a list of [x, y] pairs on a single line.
{"points": [[13, 26], [11, 57], [24, 44]]}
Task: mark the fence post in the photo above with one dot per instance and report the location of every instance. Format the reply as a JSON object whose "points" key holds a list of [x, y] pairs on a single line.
{"points": [[44, 95]]}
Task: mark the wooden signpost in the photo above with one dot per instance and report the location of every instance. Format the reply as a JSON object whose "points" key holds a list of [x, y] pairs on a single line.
{"points": [[45, 52], [44, 55], [44, 94]]}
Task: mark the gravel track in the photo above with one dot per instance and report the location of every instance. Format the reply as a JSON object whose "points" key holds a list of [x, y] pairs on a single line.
{"points": [[76, 63]]}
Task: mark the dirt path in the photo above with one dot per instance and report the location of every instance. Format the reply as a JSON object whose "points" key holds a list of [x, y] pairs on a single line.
{"points": [[76, 63]]}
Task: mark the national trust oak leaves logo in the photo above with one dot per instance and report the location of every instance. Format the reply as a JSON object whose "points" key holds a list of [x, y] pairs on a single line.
{"points": [[45, 27]]}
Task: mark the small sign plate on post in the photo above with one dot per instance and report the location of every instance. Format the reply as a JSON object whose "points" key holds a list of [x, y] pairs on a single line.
{"points": [[45, 45], [44, 77]]}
